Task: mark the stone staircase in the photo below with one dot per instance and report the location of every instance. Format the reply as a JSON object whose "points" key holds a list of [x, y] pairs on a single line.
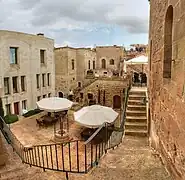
{"points": [[136, 114]]}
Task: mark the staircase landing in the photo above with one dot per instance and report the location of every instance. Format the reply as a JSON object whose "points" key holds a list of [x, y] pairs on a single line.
{"points": [[132, 160]]}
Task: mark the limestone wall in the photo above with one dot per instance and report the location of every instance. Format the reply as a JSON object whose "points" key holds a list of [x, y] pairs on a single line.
{"points": [[29, 64], [108, 53], [167, 94], [111, 87]]}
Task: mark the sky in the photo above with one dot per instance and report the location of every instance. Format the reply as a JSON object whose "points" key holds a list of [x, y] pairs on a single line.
{"points": [[79, 23]]}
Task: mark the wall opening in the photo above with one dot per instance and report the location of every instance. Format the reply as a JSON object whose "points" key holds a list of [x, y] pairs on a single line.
{"points": [[60, 94], [116, 102], [103, 61], [168, 31]]}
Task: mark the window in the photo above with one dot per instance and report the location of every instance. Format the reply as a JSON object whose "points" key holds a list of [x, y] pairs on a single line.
{"points": [[16, 108], [8, 109], [168, 31], [81, 95], [23, 87], [93, 64], [79, 84], [24, 104], [38, 80], [43, 80], [44, 96], [42, 56], [112, 62], [89, 65], [48, 77], [6, 86], [38, 98], [73, 79], [13, 55], [103, 63], [15, 84], [49, 95], [73, 64]]}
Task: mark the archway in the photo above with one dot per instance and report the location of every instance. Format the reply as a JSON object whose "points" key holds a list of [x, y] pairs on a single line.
{"points": [[60, 94], [116, 102], [168, 31], [103, 61]]}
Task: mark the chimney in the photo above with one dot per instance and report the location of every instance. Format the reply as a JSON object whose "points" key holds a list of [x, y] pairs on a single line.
{"points": [[40, 34]]}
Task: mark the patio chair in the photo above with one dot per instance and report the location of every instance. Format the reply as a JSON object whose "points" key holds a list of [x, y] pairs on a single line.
{"points": [[39, 123]]}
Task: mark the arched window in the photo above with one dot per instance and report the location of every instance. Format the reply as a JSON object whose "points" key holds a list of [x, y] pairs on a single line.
{"points": [[79, 84], [89, 64], [112, 62], [93, 64], [73, 64], [168, 31], [60, 94], [103, 61]]}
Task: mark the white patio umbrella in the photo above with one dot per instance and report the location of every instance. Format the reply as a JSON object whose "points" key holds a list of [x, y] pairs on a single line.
{"points": [[54, 104], [95, 115]]}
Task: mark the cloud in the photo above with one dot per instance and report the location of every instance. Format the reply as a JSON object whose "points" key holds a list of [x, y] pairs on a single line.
{"points": [[121, 12], [78, 22]]}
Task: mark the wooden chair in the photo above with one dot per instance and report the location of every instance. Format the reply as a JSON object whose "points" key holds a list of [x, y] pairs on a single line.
{"points": [[39, 123]]}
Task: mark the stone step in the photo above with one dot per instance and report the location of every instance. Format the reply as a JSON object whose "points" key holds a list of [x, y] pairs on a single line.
{"points": [[136, 119], [136, 125], [136, 97], [137, 93], [136, 102], [135, 113], [136, 132], [136, 107]]}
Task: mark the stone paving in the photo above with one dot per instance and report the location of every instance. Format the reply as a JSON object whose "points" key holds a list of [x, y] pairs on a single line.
{"points": [[132, 160]]}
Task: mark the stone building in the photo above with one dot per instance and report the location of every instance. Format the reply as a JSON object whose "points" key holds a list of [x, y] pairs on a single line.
{"points": [[27, 71], [78, 61], [71, 67], [167, 82], [108, 58]]}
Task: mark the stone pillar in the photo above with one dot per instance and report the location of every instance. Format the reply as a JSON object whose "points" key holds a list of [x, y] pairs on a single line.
{"points": [[3, 155]]}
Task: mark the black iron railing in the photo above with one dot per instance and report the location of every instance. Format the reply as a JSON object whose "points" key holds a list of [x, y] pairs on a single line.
{"points": [[69, 157]]}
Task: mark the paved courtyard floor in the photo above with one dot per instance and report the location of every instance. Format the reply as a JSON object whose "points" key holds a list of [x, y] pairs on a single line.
{"points": [[132, 160]]}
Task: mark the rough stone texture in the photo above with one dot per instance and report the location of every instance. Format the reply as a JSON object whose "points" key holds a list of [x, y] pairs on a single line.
{"points": [[109, 52], [132, 160], [28, 65], [167, 95], [66, 78], [3, 155], [111, 86]]}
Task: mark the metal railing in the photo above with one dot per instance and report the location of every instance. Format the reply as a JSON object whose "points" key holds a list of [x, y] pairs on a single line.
{"points": [[69, 157]]}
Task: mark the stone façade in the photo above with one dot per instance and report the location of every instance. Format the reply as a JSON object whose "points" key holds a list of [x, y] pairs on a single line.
{"points": [[166, 96]]}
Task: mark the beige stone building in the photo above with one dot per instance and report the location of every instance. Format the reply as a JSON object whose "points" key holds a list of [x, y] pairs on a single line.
{"points": [[108, 58], [27, 71], [80, 60], [71, 67], [167, 82]]}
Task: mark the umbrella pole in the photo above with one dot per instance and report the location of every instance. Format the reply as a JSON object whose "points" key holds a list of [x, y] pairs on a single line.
{"points": [[61, 126], [67, 122]]}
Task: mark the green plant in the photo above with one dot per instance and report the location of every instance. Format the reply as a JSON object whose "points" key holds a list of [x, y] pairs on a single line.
{"points": [[1, 108], [11, 118], [32, 112]]}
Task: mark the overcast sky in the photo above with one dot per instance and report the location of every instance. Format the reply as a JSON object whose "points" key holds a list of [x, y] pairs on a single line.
{"points": [[79, 22]]}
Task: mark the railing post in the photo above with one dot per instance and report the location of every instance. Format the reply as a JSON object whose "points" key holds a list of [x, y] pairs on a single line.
{"points": [[67, 176]]}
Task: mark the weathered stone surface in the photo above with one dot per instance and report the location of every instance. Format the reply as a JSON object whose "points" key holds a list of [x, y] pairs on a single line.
{"points": [[168, 120]]}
